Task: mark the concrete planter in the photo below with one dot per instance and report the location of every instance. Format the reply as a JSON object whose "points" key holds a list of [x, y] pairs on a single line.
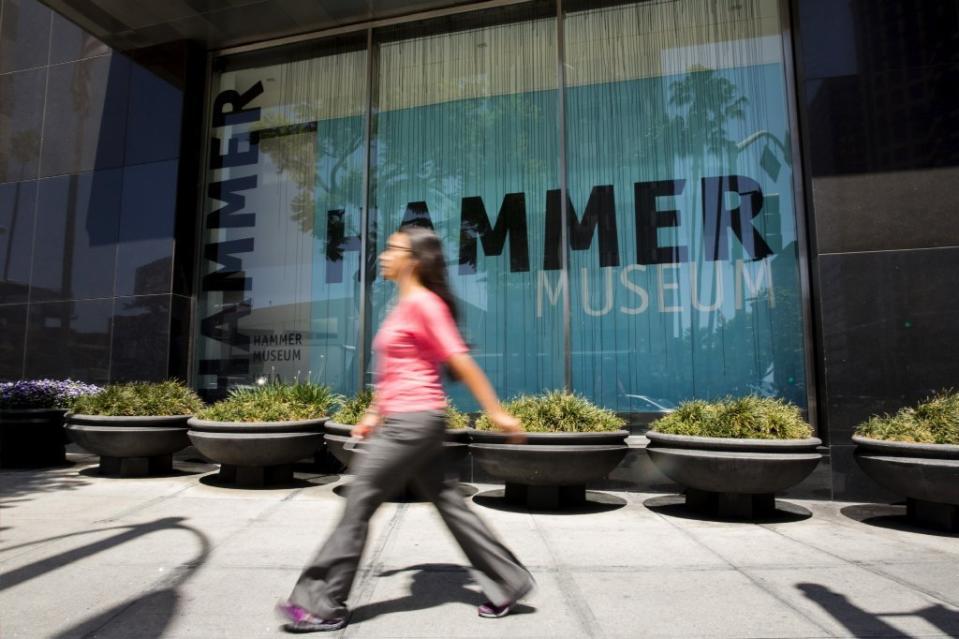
{"points": [[733, 477], [926, 474], [130, 446], [551, 470], [31, 438], [254, 454], [337, 435]]}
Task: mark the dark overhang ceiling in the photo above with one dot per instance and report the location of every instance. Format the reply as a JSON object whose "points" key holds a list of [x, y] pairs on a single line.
{"points": [[133, 24]]}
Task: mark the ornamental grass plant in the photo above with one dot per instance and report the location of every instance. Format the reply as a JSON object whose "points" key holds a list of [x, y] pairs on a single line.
{"points": [[749, 417], [140, 399], [275, 402], [352, 410], [933, 421], [43, 393], [558, 412]]}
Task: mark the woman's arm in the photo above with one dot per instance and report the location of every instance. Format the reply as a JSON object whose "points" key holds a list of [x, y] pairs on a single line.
{"points": [[368, 423], [472, 375]]}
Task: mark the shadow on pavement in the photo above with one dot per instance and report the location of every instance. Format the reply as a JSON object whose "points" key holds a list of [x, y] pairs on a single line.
{"points": [[94, 472], [146, 616], [431, 585], [675, 506], [213, 479], [596, 502], [861, 623], [124, 534], [892, 516], [466, 490], [18, 485]]}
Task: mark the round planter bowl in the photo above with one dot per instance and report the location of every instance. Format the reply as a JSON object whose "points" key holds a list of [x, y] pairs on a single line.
{"points": [[338, 435], [31, 438], [733, 477], [551, 470], [926, 474], [256, 453], [130, 446]]}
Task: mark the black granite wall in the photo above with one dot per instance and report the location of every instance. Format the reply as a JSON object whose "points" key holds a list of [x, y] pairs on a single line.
{"points": [[95, 266], [879, 111]]}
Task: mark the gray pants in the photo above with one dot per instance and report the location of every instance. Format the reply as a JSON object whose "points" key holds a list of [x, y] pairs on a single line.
{"points": [[407, 447]]}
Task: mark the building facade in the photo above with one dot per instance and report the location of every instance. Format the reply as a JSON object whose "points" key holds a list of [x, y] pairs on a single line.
{"points": [[644, 202]]}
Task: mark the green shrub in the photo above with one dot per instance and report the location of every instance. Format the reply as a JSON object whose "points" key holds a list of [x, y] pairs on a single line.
{"points": [[934, 421], [749, 417], [352, 410], [456, 419], [140, 399], [557, 412], [273, 403]]}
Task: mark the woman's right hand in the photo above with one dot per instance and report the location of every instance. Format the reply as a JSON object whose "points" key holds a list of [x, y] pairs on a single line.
{"points": [[365, 427], [509, 425]]}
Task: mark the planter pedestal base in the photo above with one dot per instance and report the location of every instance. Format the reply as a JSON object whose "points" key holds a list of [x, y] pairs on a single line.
{"points": [[136, 466], [730, 505], [256, 476], [933, 515], [545, 497]]}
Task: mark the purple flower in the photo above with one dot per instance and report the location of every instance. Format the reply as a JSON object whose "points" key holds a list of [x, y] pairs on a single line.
{"points": [[42, 393]]}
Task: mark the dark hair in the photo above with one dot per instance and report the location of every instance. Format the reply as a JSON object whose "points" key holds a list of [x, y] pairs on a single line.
{"points": [[427, 250]]}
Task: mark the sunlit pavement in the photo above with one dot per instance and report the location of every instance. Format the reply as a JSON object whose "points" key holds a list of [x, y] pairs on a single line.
{"points": [[179, 556]]}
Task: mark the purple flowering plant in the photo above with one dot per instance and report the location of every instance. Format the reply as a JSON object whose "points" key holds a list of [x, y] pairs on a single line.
{"points": [[43, 393]]}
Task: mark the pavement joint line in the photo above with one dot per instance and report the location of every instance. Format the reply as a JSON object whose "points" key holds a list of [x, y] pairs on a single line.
{"points": [[184, 571], [802, 614], [927, 592], [570, 589], [172, 580], [135, 509], [365, 583], [84, 528], [846, 522]]}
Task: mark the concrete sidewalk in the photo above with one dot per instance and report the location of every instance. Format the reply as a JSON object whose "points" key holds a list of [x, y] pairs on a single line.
{"points": [[178, 556]]}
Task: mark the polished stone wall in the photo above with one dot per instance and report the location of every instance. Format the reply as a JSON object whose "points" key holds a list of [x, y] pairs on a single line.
{"points": [[879, 108], [95, 267]]}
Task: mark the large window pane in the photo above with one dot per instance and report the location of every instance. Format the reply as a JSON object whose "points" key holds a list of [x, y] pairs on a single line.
{"points": [[466, 141], [678, 152], [279, 294]]}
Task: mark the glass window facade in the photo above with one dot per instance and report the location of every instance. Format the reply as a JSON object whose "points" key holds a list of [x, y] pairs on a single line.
{"points": [[613, 185]]}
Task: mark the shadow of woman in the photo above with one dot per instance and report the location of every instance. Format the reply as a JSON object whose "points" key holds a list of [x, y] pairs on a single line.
{"points": [[431, 585]]}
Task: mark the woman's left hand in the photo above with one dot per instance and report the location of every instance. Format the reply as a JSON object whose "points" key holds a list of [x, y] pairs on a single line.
{"points": [[509, 425]]}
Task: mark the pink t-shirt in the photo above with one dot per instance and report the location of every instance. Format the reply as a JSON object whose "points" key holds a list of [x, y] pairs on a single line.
{"points": [[416, 337]]}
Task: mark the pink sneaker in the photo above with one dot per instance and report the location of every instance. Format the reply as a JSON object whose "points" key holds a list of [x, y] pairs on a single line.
{"points": [[302, 620], [491, 611]]}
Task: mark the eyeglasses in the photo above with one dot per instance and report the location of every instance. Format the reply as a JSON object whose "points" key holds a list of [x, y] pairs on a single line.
{"points": [[397, 247]]}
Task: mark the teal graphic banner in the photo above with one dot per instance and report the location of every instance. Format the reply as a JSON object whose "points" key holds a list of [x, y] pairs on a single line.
{"points": [[683, 274]]}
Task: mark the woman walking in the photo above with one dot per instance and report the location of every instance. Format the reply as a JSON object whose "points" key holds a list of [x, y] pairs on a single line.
{"points": [[406, 426]]}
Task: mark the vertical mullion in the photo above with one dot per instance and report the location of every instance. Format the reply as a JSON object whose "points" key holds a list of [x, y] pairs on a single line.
{"points": [[364, 218], [805, 236], [563, 198]]}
